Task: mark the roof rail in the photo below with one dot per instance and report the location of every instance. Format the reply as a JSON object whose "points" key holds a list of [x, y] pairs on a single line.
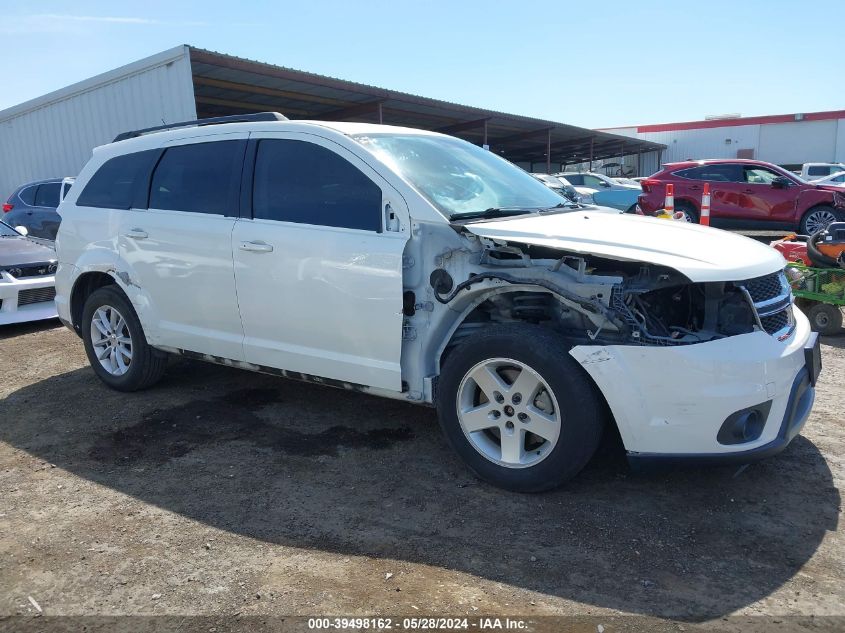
{"points": [[235, 118]]}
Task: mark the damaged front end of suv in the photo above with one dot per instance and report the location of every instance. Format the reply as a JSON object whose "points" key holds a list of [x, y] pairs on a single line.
{"points": [[696, 347]]}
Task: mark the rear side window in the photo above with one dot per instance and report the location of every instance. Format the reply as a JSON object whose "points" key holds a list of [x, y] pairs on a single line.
{"points": [[713, 173], [297, 181], [117, 182], [27, 194], [576, 180], [199, 177], [48, 195]]}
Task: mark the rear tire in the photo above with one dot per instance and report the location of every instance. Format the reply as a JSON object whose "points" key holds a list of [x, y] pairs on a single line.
{"points": [[115, 342], [517, 382], [825, 318]]}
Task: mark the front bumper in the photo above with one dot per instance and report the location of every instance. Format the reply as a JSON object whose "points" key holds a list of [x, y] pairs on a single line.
{"points": [[670, 402], [11, 290]]}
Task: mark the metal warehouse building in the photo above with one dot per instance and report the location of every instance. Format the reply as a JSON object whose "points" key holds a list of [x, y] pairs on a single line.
{"points": [[784, 139], [53, 135]]}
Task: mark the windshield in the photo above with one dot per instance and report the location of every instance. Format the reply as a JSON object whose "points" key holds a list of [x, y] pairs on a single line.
{"points": [[460, 178], [8, 231]]}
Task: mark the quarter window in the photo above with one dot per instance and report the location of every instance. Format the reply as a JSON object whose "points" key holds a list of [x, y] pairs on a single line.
{"points": [[297, 181], [27, 194], [114, 185], [199, 177], [48, 195]]}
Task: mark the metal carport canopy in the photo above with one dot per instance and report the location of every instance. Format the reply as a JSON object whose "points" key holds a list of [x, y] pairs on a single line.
{"points": [[224, 84]]}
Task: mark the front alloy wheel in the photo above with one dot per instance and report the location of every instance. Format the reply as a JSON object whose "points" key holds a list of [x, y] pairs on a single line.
{"points": [[818, 220], [111, 340], [517, 408], [508, 413]]}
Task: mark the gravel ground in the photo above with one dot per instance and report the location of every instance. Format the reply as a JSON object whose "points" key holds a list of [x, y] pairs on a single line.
{"points": [[221, 492]]}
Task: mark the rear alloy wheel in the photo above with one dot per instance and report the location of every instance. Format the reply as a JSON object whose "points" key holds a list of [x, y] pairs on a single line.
{"points": [[115, 342], [825, 318], [817, 219], [518, 409]]}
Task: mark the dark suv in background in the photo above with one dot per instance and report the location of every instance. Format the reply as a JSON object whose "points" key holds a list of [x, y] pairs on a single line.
{"points": [[33, 206], [745, 194]]}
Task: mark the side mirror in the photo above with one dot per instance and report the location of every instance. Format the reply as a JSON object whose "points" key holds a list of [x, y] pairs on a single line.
{"points": [[605, 184], [781, 182], [22, 230]]}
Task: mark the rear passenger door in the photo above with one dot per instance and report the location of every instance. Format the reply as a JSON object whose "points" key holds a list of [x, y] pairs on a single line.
{"points": [[178, 245], [318, 266]]}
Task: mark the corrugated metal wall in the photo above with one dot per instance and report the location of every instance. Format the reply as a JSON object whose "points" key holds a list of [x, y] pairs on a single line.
{"points": [[791, 143], [53, 136]]}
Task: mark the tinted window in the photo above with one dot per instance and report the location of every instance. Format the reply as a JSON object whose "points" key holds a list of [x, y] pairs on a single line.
{"points": [[198, 177], [713, 173], [27, 194], [818, 170], [115, 183], [301, 182], [48, 195], [576, 180]]}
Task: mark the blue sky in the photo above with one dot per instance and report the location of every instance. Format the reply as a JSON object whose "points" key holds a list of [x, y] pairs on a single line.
{"points": [[596, 64]]}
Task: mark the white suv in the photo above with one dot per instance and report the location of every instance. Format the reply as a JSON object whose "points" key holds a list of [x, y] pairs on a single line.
{"points": [[412, 265]]}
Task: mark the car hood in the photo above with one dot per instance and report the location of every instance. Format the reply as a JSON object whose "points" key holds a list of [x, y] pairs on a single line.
{"points": [[16, 251], [700, 253]]}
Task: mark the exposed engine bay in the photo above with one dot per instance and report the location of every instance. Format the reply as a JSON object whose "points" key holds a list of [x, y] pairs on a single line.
{"points": [[597, 300]]}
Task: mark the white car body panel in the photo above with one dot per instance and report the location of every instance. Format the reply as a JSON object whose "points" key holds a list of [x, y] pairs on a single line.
{"points": [[326, 301], [700, 253], [11, 312], [674, 399]]}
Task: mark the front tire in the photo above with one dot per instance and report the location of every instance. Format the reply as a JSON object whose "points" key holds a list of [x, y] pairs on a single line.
{"points": [[115, 342], [825, 318], [690, 214], [518, 409], [817, 219]]}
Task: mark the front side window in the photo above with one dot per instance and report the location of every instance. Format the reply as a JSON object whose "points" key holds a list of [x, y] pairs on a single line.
{"points": [[297, 181], [595, 183], [759, 175], [48, 195], [199, 177], [115, 183], [457, 177], [575, 179]]}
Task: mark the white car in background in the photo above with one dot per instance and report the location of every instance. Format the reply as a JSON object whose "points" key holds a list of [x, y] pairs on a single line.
{"points": [[595, 181], [413, 265], [27, 278], [837, 180], [812, 172]]}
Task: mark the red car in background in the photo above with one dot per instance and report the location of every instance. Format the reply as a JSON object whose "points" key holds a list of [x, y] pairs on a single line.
{"points": [[747, 194]]}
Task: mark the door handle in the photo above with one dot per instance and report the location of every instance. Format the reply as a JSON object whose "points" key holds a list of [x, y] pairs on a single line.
{"points": [[256, 247], [136, 234], [695, 188]]}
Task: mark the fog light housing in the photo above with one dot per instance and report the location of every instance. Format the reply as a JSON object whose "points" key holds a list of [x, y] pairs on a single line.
{"points": [[745, 425]]}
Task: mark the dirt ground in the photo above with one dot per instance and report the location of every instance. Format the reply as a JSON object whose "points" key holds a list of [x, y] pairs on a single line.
{"points": [[222, 492]]}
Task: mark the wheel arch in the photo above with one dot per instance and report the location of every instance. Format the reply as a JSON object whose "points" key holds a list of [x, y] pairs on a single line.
{"points": [[440, 346], [85, 284]]}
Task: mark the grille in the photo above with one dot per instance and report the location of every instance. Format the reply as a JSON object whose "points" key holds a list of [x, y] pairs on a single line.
{"points": [[36, 295], [766, 287], [776, 322], [32, 270], [772, 299]]}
